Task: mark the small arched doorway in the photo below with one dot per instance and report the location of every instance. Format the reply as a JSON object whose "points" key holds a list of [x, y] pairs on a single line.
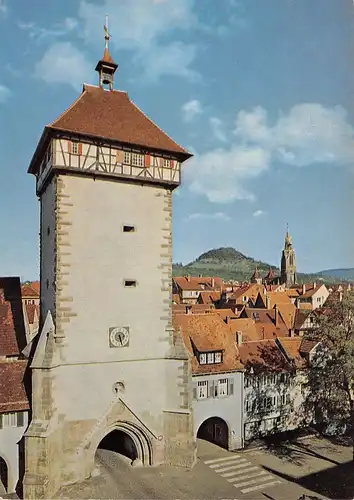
{"points": [[4, 476], [119, 442], [215, 430]]}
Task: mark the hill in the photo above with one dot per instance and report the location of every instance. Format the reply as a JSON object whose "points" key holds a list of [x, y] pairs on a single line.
{"points": [[339, 274], [230, 264]]}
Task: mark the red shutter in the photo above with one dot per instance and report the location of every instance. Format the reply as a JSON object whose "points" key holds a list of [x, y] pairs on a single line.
{"points": [[147, 160], [80, 148], [172, 163], [69, 146], [161, 162]]}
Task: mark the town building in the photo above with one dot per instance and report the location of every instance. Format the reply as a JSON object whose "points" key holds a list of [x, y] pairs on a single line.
{"points": [[105, 174], [14, 403]]}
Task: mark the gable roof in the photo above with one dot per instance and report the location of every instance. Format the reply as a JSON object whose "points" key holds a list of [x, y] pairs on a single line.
{"points": [[12, 391], [291, 347], [110, 115], [199, 283], [208, 332], [262, 355]]}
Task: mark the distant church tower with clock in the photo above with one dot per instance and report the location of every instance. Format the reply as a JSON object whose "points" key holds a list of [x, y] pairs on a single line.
{"points": [[107, 358], [288, 262]]}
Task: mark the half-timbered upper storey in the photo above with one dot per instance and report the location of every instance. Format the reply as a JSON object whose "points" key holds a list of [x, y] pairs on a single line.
{"points": [[104, 133]]}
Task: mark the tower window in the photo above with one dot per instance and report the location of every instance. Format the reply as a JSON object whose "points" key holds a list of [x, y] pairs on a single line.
{"points": [[75, 148], [126, 158], [130, 283], [166, 163], [128, 229], [138, 160]]}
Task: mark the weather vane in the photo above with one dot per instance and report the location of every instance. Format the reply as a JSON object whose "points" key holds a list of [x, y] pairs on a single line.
{"points": [[107, 36]]}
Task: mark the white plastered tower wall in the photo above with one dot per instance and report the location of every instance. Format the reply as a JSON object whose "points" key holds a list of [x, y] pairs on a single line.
{"points": [[83, 386]]}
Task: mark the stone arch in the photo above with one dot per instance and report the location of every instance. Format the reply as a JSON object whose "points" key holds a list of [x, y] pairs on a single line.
{"points": [[4, 474], [215, 430], [138, 436]]}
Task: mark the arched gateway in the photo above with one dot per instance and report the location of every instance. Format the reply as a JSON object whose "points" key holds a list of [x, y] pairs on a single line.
{"points": [[215, 430], [126, 439], [4, 476], [107, 359]]}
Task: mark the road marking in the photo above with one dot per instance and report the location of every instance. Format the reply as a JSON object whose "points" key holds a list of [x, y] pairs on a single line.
{"points": [[238, 467], [254, 481], [228, 474], [230, 465], [259, 486], [248, 476], [230, 457], [238, 472]]}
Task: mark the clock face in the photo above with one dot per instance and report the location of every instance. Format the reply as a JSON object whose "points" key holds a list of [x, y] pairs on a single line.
{"points": [[119, 336]]}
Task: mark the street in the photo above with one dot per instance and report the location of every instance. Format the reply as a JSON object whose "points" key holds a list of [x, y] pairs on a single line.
{"points": [[218, 474]]}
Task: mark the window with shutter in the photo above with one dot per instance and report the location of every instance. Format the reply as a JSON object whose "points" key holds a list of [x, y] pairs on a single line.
{"points": [[20, 419], [231, 386], [202, 392], [222, 387], [75, 148], [211, 390]]}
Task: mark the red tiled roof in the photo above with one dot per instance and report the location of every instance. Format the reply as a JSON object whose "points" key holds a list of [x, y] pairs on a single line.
{"points": [[208, 332], [12, 391], [111, 115], [262, 355], [8, 339], [307, 345], [29, 291], [291, 347], [198, 283]]}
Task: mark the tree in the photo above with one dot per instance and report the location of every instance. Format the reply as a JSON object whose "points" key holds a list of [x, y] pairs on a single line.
{"points": [[331, 372]]}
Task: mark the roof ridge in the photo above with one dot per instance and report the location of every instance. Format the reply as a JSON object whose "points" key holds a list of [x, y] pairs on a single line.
{"points": [[152, 121], [69, 108]]}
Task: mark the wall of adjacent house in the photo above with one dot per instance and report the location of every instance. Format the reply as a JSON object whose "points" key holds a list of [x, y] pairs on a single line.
{"points": [[229, 408], [10, 435]]}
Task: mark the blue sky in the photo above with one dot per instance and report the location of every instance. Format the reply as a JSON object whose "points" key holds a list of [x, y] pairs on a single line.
{"points": [[260, 91]]}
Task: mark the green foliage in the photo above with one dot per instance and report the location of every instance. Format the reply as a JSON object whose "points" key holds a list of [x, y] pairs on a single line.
{"points": [[331, 377]]}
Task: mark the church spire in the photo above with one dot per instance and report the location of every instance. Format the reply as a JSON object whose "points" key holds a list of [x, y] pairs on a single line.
{"points": [[288, 241], [106, 67]]}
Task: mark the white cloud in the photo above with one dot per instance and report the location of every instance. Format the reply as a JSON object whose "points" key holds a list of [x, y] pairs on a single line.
{"points": [[56, 31], [5, 93], [258, 213], [308, 134], [191, 109], [217, 129], [3, 8], [63, 63], [221, 216], [220, 174], [143, 27]]}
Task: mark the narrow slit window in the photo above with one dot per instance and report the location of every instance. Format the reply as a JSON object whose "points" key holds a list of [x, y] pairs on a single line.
{"points": [[128, 229], [130, 283]]}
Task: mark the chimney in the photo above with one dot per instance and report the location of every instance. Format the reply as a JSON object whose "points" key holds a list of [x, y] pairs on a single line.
{"points": [[227, 320], [239, 338], [303, 288], [268, 302], [212, 282], [276, 316], [314, 284], [297, 302]]}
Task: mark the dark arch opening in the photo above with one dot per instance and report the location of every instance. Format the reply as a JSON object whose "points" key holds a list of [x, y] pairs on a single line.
{"points": [[4, 476], [119, 442], [215, 430]]}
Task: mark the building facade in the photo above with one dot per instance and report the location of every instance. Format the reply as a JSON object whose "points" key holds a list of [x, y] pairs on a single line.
{"points": [[105, 175]]}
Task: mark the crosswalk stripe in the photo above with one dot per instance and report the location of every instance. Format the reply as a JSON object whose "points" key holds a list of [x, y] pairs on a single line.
{"points": [[259, 486], [230, 465], [238, 472], [248, 476], [254, 481], [220, 459], [232, 470], [239, 467]]}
